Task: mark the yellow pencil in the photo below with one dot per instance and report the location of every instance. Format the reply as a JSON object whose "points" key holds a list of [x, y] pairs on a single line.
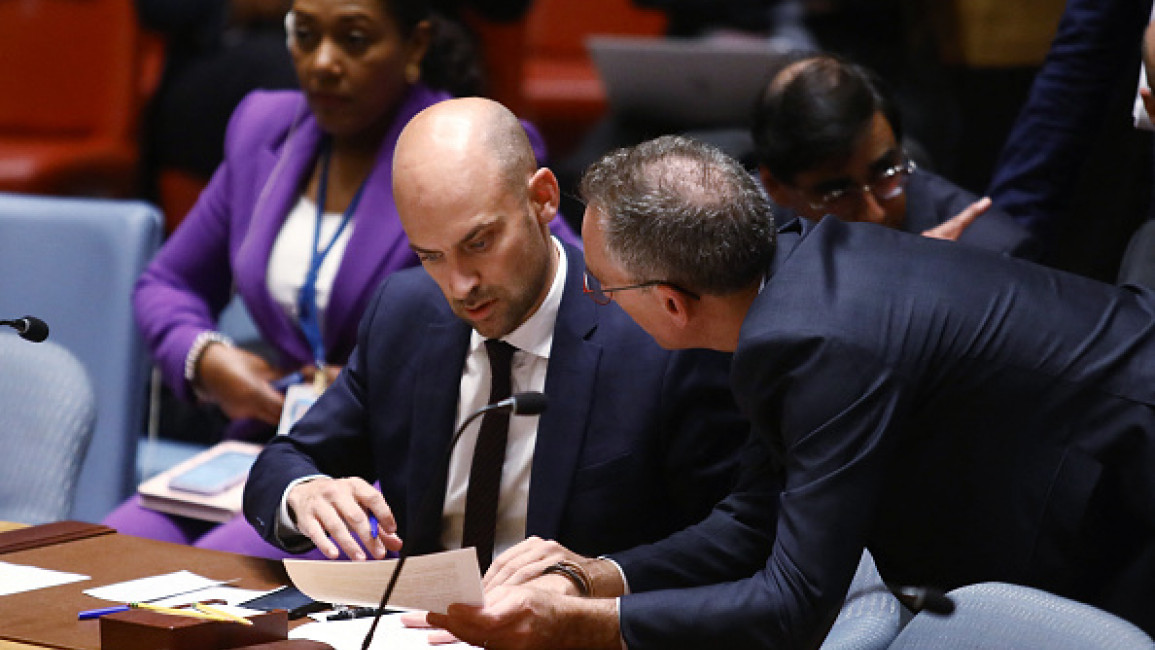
{"points": [[180, 612], [220, 612]]}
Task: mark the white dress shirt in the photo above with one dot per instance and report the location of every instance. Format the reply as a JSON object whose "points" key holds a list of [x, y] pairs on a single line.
{"points": [[293, 252], [533, 340]]}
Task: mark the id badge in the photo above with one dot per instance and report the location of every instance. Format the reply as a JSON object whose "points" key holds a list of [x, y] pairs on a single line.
{"points": [[298, 399]]}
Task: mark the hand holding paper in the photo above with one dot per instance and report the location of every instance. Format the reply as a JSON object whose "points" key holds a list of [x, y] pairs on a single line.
{"points": [[429, 582]]}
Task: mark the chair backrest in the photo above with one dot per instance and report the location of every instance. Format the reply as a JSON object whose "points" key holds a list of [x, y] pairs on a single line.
{"points": [[75, 79], [560, 89], [1001, 616], [870, 617], [557, 29], [47, 414], [73, 263], [71, 67]]}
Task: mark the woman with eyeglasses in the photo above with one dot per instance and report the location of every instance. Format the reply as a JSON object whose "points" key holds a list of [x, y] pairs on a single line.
{"points": [[828, 139], [299, 220]]}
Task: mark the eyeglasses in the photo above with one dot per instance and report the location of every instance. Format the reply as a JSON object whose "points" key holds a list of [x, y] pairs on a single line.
{"points": [[602, 296], [887, 184]]}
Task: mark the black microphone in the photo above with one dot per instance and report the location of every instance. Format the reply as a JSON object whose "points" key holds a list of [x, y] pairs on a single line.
{"points": [[924, 599], [915, 598], [530, 403], [30, 328]]}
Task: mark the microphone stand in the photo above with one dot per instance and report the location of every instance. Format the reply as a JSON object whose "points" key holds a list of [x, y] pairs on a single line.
{"points": [[530, 403]]}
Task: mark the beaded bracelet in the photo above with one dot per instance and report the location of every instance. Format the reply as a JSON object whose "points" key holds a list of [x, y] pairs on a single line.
{"points": [[576, 574], [197, 350]]}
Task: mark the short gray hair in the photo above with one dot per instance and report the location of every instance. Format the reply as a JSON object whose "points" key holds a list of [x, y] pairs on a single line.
{"points": [[681, 211]]}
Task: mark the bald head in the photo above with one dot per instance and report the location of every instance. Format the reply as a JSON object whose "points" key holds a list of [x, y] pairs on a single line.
{"points": [[476, 210], [459, 140]]}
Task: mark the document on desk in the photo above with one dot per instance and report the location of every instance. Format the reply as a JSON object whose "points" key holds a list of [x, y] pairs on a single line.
{"points": [[390, 634], [17, 578], [154, 587], [428, 582]]}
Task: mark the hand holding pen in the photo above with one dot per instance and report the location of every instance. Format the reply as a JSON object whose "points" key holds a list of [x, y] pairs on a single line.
{"points": [[344, 515]]}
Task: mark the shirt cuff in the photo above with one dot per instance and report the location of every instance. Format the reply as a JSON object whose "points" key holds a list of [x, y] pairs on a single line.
{"points": [[285, 530], [625, 582], [618, 608]]}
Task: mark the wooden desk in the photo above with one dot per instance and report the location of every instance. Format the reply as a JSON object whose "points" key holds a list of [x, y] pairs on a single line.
{"points": [[11, 645], [47, 617]]}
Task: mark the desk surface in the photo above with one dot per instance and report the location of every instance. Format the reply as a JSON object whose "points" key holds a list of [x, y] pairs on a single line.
{"points": [[47, 617], [6, 645]]}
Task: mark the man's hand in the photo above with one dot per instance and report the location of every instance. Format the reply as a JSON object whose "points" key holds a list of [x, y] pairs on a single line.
{"points": [[335, 513], [238, 381], [954, 227], [521, 618], [525, 561]]}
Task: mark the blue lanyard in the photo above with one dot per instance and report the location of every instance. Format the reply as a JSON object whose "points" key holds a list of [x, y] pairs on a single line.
{"points": [[307, 300]]}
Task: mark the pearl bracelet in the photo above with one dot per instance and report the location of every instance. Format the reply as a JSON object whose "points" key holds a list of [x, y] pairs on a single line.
{"points": [[197, 350]]}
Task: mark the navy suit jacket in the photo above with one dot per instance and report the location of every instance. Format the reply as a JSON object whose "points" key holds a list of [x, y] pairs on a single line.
{"points": [[932, 200], [965, 416], [1038, 170], [637, 441]]}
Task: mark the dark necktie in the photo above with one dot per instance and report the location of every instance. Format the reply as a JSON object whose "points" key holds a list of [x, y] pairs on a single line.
{"points": [[488, 457]]}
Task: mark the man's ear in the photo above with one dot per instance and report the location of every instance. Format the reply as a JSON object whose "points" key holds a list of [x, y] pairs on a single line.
{"points": [[544, 194], [677, 305], [775, 188]]}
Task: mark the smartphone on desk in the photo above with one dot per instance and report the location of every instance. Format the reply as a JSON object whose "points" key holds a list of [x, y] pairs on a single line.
{"points": [[215, 475]]}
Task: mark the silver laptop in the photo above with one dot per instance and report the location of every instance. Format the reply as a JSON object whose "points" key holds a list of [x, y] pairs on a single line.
{"points": [[684, 82]]}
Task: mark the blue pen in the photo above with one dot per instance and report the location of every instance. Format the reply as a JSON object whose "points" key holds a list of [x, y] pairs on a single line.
{"points": [[97, 613], [373, 525]]}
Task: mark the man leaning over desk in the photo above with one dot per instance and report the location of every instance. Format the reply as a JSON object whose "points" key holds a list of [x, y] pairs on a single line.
{"points": [[637, 442], [964, 416]]}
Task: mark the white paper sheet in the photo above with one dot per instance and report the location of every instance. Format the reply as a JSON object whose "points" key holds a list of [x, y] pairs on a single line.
{"points": [[154, 587], [428, 582], [17, 578], [390, 634], [231, 595]]}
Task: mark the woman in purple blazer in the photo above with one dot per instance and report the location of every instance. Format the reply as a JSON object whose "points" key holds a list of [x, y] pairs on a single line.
{"points": [[299, 219]]}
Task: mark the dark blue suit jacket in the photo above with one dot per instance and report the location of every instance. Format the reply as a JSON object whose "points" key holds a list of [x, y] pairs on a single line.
{"points": [[965, 416], [932, 200], [637, 441], [1038, 170]]}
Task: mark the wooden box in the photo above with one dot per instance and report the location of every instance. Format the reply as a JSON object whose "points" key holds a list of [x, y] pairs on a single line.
{"points": [[139, 629]]}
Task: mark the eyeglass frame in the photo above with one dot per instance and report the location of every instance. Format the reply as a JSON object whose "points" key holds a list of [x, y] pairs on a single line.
{"points": [[904, 168], [602, 295]]}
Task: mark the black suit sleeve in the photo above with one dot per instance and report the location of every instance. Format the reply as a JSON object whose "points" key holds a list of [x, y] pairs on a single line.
{"points": [[329, 439], [834, 409], [732, 542]]}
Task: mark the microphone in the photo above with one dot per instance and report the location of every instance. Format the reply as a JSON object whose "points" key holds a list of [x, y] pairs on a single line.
{"points": [[923, 599], [30, 328], [528, 403]]}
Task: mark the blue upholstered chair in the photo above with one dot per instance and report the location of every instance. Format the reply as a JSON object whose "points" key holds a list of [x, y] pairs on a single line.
{"points": [[73, 263], [47, 414], [871, 617], [1001, 616]]}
